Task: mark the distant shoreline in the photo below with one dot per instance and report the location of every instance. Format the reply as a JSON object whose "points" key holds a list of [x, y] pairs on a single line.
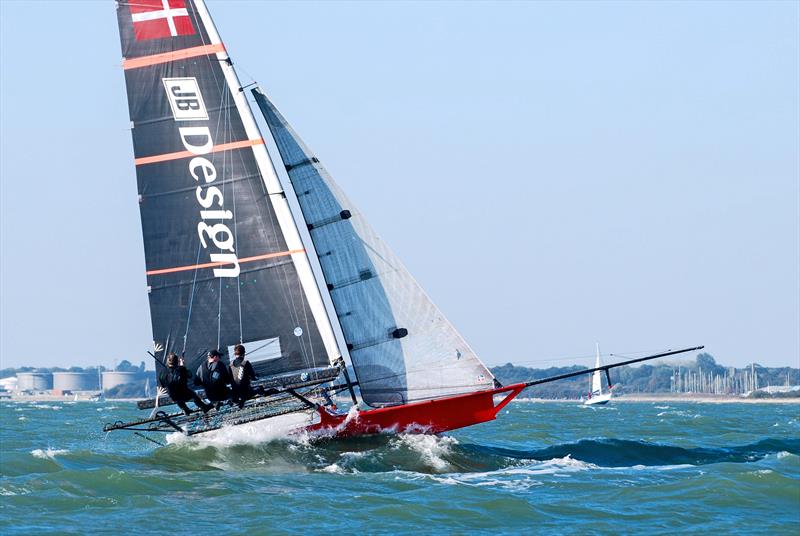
{"points": [[54, 398], [654, 397], [694, 398]]}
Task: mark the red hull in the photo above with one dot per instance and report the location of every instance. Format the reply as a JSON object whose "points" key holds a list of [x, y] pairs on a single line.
{"points": [[431, 416]]}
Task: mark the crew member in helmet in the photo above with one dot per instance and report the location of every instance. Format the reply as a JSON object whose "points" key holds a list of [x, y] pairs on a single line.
{"points": [[175, 378], [214, 377], [242, 374]]}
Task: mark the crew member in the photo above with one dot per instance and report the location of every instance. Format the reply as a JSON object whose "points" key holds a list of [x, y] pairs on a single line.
{"points": [[242, 374], [175, 378], [213, 375]]}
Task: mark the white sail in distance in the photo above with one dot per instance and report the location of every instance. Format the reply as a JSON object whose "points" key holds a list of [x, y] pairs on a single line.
{"points": [[597, 378]]}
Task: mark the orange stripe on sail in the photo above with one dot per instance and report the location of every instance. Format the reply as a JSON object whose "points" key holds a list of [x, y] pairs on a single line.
{"points": [[187, 154], [185, 53], [215, 264]]}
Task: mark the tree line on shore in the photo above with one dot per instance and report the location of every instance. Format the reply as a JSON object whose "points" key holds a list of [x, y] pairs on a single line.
{"points": [[123, 366], [704, 376]]}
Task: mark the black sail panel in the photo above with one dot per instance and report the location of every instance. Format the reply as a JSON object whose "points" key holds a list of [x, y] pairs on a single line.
{"points": [[219, 267]]}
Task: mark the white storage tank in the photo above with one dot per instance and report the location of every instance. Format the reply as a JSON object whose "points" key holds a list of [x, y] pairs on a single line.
{"points": [[113, 378], [75, 381], [34, 381]]}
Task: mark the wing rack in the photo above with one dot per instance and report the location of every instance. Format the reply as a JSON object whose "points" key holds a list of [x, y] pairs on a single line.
{"points": [[283, 397]]}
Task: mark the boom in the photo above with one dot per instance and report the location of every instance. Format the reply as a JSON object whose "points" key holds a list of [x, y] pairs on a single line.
{"points": [[607, 367]]}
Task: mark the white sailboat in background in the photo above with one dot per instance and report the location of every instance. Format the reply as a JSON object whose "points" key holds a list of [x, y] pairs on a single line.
{"points": [[597, 396]]}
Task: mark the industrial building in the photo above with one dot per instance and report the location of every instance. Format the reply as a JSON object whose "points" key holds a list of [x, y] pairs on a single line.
{"points": [[112, 378], [34, 381], [75, 381]]}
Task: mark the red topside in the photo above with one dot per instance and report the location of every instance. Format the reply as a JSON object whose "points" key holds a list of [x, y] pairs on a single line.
{"points": [[432, 416]]}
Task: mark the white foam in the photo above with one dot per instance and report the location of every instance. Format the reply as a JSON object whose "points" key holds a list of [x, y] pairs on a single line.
{"points": [[431, 448], [45, 406], [762, 472], [557, 465], [519, 484], [23, 418], [48, 454], [10, 492], [679, 413], [656, 467], [519, 477], [255, 433], [333, 469], [356, 454]]}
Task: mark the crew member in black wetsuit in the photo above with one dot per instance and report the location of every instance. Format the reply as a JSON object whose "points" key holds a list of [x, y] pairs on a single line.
{"points": [[175, 378], [213, 375], [242, 374]]}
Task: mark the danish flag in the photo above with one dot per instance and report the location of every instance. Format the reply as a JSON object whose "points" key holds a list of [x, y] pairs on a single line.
{"points": [[155, 19]]}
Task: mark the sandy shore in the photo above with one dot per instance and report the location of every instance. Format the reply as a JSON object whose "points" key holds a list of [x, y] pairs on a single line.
{"points": [[705, 399], [694, 398]]}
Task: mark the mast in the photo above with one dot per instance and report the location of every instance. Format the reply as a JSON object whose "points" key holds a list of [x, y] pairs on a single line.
{"points": [[276, 194]]}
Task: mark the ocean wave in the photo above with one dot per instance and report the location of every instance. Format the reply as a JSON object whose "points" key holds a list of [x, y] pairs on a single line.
{"points": [[44, 406], [334, 468], [433, 450], [679, 413], [280, 445], [517, 477], [12, 491], [628, 453], [48, 453]]}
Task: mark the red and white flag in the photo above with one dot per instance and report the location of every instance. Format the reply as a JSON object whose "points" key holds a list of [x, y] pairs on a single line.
{"points": [[156, 19]]}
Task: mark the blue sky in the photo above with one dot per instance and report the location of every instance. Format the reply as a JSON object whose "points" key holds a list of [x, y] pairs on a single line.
{"points": [[553, 174]]}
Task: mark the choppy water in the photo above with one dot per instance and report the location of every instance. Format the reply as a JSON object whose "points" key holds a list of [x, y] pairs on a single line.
{"points": [[555, 467]]}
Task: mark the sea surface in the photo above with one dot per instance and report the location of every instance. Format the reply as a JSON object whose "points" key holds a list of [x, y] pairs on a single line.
{"points": [[644, 468]]}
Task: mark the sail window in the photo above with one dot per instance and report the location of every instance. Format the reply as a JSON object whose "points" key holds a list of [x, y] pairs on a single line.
{"points": [[259, 351]]}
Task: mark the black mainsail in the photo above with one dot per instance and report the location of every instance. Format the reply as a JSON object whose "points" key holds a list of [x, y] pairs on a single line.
{"points": [[224, 261]]}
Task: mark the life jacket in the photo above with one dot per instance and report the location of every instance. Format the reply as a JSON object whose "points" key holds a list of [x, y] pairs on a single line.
{"points": [[175, 378], [238, 372], [214, 381]]}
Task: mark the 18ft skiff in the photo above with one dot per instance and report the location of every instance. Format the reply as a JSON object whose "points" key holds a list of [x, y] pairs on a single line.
{"points": [[249, 240]]}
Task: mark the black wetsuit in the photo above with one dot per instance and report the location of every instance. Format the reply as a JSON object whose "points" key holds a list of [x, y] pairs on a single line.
{"points": [[242, 374], [214, 377], [176, 380]]}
